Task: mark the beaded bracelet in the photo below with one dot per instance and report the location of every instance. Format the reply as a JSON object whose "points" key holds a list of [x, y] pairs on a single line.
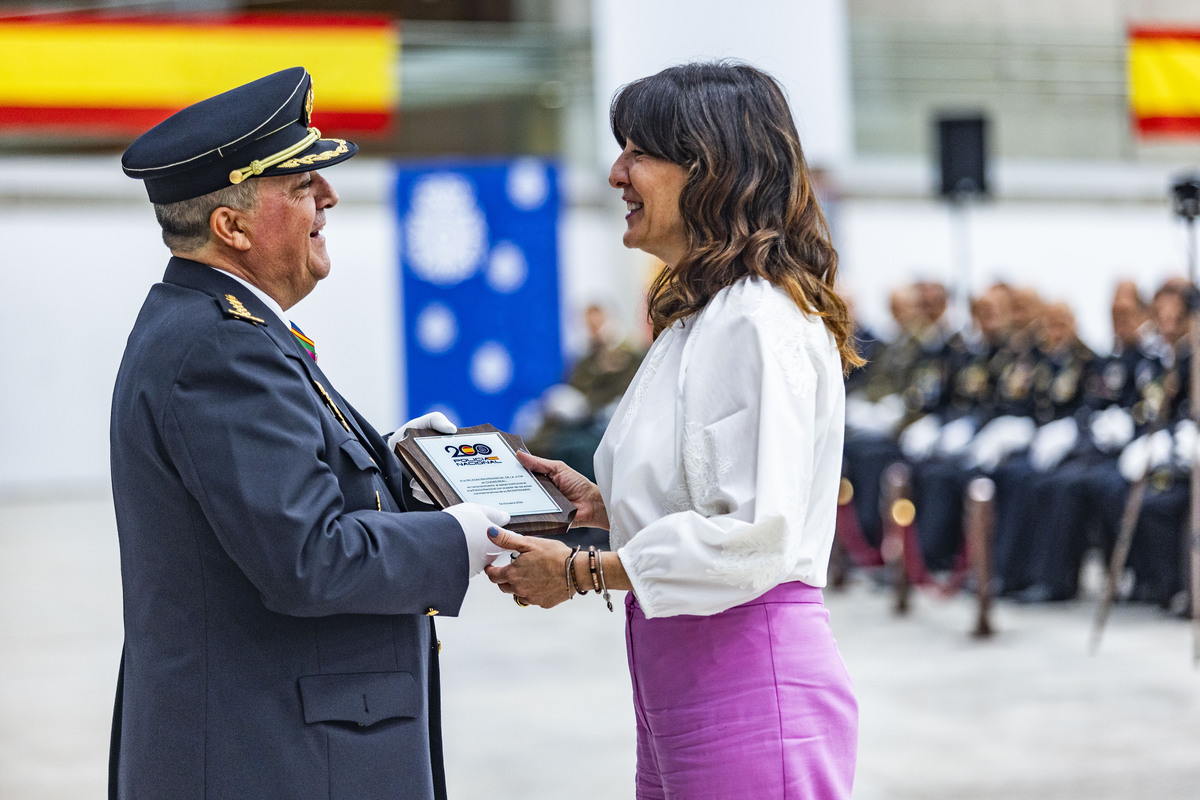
{"points": [[571, 574], [571, 589], [603, 586], [592, 559]]}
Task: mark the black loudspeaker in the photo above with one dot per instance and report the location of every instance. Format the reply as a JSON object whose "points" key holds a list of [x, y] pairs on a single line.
{"points": [[962, 155]]}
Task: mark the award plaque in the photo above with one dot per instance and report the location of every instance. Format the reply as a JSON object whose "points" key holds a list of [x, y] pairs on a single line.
{"points": [[479, 465]]}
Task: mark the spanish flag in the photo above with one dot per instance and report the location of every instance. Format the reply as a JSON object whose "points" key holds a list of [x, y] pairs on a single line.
{"points": [[85, 75], [1164, 81]]}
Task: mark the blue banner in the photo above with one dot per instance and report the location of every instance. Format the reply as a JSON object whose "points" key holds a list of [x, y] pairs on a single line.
{"points": [[478, 249]]}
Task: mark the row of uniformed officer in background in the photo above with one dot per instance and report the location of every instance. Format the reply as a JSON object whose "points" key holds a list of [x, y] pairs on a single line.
{"points": [[1061, 430]]}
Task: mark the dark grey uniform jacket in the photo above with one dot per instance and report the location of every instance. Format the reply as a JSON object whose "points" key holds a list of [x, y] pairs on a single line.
{"points": [[277, 639]]}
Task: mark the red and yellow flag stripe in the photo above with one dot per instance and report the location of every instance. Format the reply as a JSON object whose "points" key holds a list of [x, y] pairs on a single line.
{"points": [[1164, 81], [108, 75]]}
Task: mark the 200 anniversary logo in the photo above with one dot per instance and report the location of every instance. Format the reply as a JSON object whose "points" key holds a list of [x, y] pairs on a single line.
{"points": [[466, 455]]}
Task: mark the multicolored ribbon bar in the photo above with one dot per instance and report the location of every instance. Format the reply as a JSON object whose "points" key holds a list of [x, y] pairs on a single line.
{"points": [[308, 344]]}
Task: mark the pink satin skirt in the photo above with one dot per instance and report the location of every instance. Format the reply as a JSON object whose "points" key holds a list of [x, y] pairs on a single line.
{"points": [[753, 703]]}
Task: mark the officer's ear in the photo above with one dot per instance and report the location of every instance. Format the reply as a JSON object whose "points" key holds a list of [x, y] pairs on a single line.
{"points": [[227, 227]]}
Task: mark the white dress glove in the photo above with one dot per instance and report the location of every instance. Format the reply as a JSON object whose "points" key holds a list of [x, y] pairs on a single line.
{"points": [[1112, 429], [435, 419], [918, 439], [1185, 444], [998, 439], [863, 416], [1052, 442], [1144, 454], [475, 520], [438, 422], [956, 436]]}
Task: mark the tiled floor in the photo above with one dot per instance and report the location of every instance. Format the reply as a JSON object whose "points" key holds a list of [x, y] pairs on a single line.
{"points": [[537, 702]]}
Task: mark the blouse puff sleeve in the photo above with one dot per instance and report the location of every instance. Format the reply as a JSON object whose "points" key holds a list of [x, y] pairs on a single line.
{"points": [[760, 437]]}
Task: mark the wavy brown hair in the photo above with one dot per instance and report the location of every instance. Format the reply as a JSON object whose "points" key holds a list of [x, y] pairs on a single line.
{"points": [[748, 204]]}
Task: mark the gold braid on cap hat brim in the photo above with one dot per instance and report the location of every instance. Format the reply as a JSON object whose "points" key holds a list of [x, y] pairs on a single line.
{"points": [[258, 166]]}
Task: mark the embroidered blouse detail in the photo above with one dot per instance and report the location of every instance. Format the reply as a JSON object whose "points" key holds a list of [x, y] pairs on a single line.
{"points": [[653, 360], [754, 562], [792, 346], [678, 499], [703, 469]]}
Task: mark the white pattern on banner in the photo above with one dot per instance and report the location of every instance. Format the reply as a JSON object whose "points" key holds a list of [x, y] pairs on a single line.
{"points": [[491, 368], [507, 268], [528, 185], [446, 232], [437, 328]]}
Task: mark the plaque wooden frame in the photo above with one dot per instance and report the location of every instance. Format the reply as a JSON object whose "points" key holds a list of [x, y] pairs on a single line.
{"points": [[442, 493]]}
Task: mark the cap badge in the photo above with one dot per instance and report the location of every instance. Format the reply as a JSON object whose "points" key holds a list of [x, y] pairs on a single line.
{"points": [[308, 107]]}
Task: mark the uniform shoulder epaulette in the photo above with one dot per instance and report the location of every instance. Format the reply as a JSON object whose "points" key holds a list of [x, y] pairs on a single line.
{"points": [[235, 308]]}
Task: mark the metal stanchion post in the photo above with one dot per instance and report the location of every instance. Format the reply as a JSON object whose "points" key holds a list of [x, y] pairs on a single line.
{"points": [[899, 514], [981, 520], [839, 559]]}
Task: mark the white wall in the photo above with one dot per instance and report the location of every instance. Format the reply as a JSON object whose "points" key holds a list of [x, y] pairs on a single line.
{"points": [[803, 43], [70, 297], [81, 250], [1071, 230], [1072, 253]]}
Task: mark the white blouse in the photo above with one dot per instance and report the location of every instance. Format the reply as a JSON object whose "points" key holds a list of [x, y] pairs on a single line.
{"points": [[721, 465]]}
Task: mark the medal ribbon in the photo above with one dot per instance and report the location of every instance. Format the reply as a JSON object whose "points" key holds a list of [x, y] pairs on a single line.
{"points": [[308, 344]]}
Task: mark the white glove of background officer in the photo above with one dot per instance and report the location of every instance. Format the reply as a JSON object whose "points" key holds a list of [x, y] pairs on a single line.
{"points": [[438, 422], [918, 439], [1147, 452]]}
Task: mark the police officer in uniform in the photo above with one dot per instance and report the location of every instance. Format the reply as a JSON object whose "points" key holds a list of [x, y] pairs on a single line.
{"points": [[1158, 554], [1063, 369], [937, 444], [875, 407], [1079, 501], [1165, 455], [278, 597], [909, 381]]}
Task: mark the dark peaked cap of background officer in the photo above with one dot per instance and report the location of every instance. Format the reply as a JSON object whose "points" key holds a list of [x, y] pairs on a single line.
{"points": [[261, 128]]}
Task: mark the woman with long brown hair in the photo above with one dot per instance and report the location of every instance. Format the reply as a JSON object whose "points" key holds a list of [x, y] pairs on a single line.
{"points": [[718, 475]]}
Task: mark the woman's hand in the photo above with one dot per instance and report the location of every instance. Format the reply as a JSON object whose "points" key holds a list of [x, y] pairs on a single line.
{"points": [[576, 488], [538, 572]]}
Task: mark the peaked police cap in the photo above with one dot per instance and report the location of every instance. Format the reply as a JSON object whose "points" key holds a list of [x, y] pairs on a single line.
{"points": [[261, 128]]}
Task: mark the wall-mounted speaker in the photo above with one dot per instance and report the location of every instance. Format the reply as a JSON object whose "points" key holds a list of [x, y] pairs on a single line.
{"points": [[962, 155]]}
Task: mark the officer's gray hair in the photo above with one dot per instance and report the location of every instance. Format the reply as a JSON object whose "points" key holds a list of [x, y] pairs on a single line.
{"points": [[185, 224]]}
